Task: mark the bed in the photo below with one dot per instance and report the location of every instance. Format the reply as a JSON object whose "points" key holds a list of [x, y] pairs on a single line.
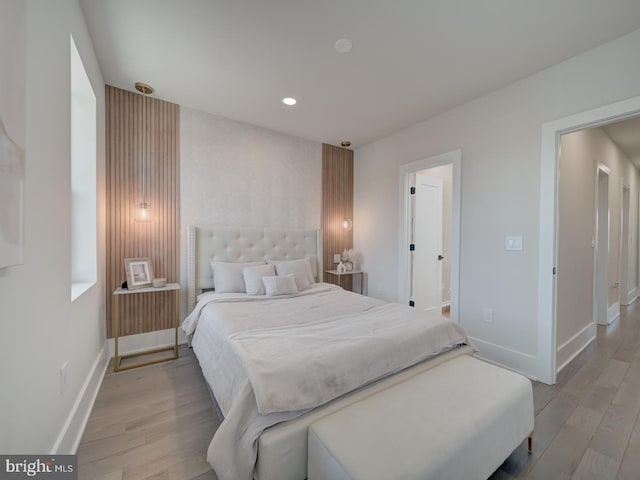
{"points": [[251, 349]]}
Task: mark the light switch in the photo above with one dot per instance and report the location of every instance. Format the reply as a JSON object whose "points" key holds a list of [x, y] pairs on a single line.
{"points": [[514, 242]]}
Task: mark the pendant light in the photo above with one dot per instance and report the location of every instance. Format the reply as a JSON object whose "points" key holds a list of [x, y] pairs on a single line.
{"points": [[143, 211]]}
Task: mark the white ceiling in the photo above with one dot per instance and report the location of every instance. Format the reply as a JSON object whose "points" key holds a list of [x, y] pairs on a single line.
{"points": [[411, 59]]}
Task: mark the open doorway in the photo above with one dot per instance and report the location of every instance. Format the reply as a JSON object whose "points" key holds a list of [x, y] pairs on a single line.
{"points": [[430, 234], [596, 247]]}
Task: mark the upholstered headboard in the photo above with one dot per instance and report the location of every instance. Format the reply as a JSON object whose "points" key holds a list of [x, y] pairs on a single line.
{"points": [[244, 244]]}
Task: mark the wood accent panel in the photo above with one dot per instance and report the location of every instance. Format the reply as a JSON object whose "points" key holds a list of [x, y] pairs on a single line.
{"points": [[159, 240], [337, 202]]}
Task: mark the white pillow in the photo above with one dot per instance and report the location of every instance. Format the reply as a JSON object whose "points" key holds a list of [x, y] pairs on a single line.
{"points": [[300, 268], [280, 285], [253, 278], [227, 276]]}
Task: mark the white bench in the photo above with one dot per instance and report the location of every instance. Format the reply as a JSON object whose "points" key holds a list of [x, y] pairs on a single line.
{"points": [[460, 420]]}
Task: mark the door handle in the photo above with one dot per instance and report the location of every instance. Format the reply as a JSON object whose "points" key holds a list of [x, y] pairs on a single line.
{"points": [[440, 257]]}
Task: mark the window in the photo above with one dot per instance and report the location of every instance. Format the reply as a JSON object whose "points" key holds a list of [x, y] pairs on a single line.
{"points": [[84, 264]]}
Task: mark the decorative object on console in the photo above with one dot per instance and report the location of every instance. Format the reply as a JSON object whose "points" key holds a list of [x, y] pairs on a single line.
{"points": [[139, 272], [350, 259], [143, 211], [159, 282], [341, 268]]}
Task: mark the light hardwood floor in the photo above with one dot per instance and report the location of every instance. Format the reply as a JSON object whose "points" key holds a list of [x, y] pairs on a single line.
{"points": [[155, 423], [152, 423], [586, 425]]}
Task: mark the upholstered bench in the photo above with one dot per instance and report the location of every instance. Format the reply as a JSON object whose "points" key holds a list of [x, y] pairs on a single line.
{"points": [[457, 421]]}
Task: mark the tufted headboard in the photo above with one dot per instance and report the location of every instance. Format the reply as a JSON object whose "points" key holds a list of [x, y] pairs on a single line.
{"points": [[244, 244]]}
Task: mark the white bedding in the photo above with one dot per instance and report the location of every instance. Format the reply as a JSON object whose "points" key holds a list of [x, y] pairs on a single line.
{"points": [[303, 350]]}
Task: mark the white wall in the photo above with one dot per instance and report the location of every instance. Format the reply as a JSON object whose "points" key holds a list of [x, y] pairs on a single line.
{"points": [[500, 138], [580, 154], [233, 173], [41, 328]]}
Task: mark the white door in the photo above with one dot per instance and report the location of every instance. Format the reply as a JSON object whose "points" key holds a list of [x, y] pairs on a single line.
{"points": [[624, 248], [427, 240], [601, 264]]}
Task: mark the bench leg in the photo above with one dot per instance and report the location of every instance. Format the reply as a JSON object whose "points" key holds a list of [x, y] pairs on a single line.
{"points": [[530, 442]]}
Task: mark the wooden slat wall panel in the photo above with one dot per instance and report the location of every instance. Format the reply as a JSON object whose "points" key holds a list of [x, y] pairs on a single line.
{"points": [[337, 202], [159, 239]]}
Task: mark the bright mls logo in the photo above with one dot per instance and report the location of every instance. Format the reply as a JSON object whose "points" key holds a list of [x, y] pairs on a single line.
{"points": [[51, 467]]}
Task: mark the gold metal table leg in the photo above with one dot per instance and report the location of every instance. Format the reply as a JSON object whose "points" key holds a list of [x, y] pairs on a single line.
{"points": [[177, 320], [116, 333]]}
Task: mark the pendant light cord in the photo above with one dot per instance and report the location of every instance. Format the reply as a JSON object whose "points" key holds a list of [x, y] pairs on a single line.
{"points": [[144, 158]]}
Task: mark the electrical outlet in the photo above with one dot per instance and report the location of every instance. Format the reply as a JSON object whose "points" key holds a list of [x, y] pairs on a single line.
{"points": [[63, 377], [487, 315], [336, 258]]}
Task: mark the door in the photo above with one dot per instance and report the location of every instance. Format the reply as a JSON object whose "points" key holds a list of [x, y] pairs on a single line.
{"points": [[624, 248], [427, 240], [601, 263]]}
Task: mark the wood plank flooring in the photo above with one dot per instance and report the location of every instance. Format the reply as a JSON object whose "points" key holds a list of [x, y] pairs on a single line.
{"points": [[156, 422], [151, 423], [586, 425]]}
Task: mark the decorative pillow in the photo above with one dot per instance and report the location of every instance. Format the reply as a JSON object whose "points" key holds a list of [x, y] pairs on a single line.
{"points": [[300, 268], [280, 285], [253, 278], [227, 276]]}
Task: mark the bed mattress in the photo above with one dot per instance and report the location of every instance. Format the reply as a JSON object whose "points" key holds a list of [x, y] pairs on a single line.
{"points": [[272, 360], [282, 449]]}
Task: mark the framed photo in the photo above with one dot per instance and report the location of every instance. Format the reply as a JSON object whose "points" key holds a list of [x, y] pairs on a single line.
{"points": [[139, 272]]}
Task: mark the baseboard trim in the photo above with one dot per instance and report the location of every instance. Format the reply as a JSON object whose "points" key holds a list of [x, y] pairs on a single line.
{"points": [[632, 296], [613, 312], [576, 344], [69, 438], [519, 362]]}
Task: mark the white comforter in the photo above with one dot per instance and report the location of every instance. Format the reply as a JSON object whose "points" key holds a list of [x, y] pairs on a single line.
{"points": [[271, 359]]}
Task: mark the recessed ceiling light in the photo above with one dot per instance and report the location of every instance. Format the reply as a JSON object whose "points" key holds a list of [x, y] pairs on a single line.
{"points": [[289, 101], [343, 45]]}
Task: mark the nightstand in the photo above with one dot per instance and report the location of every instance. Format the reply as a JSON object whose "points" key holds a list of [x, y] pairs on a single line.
{"points": [[352, 273], [116, 328]]}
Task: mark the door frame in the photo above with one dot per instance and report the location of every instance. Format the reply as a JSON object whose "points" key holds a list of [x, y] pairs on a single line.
{"points": [[455, 159], [545, 364]]}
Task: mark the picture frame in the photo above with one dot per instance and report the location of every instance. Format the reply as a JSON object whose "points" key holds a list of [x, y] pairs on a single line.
{"points": [[139, 272]]}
